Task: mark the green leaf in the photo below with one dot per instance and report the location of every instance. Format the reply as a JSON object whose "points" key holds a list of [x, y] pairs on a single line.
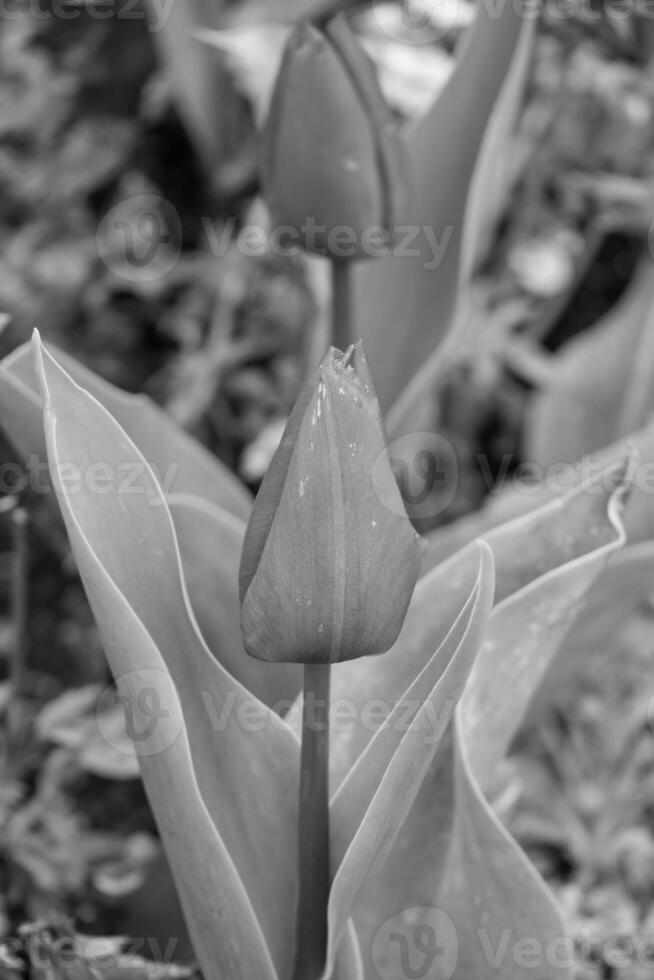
{"points": [[602, 381], [491, 182], [230, 826], [490, 186], [373, 800], [199, 83], [405, 303], [618, 603], [512, 503], [203, 527], [210, 542], [181, 464], [551, 572], [488, 881]]}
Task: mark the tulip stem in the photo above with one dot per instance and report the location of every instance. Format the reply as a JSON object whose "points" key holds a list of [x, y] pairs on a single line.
{"points": [[313, 850], [342, 305]]}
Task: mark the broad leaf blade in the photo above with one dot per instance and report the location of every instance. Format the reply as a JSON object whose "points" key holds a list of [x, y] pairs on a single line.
{"points": [[244, 758], [523, 551], [491, 181], [489, 881], [181, 464], [371, 804], [601, 386], [405, 303], [414, 872], [204, 529], [510, 503]]}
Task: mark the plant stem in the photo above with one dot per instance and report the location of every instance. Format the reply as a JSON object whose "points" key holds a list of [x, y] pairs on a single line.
{"points": [[342, 305], [313, 850]]}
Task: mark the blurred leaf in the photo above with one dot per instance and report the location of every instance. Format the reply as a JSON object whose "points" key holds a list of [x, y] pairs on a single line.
{"points": [[602, 383], [491, 182], [405, 304], [237, 915], [62, 719], [100, 744], [193, 71], [180, 463], [253, 54]]}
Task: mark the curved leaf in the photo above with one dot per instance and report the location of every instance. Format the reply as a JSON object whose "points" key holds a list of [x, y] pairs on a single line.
{"points": [[601, 385], [181, 464], [511, 504], [405, 302], [372, 802], [243, 757], [524, 632]]}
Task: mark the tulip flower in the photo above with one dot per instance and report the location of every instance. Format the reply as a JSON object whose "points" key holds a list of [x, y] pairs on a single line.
{"points": [[330, 558], [332, 161], [329, 564]]}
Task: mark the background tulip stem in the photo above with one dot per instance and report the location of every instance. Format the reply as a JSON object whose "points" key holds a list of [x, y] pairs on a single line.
{"points": [[314, 869], [342, 305]]}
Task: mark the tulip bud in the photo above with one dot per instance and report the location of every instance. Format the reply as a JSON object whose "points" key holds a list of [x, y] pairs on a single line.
{"points": [[332, 158], [330, 558]]}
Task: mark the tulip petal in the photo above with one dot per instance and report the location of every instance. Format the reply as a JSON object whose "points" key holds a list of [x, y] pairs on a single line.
{"points": [[182, 465], [371, 804], [341, 558], [270, 492], [243, 756]]}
